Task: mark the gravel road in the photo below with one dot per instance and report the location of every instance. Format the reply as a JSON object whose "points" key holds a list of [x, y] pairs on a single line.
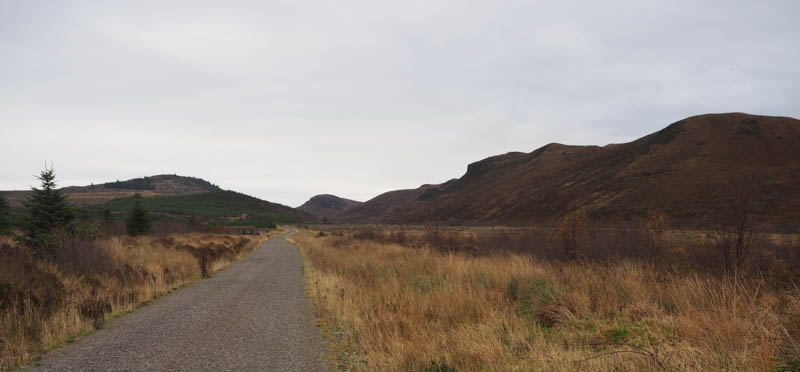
{"points": [[252, 316]]}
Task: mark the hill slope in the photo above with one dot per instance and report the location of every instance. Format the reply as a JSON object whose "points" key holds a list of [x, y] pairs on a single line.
{"points": [[222, 207], [176, 197], [161, 185], [670, 170], [327, 206]]}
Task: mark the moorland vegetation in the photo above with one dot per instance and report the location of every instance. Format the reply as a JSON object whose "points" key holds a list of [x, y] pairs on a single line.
{"points": [[64, 270]]}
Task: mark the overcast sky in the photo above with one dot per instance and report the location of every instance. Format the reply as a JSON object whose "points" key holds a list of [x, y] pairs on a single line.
{"points": [[287, 99]]}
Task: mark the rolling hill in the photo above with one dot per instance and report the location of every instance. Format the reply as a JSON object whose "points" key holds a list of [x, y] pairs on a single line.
{"points": [[160, 185], [327, 206], [217, 207], [675, 170], [172, 196]]}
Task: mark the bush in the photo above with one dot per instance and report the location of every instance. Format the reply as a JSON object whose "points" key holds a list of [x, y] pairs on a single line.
{"points": [[656, 225], [81, 254], [572, 232], [734, 227]]}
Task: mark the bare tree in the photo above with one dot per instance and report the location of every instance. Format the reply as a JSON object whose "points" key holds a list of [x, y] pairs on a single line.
{"points": [[734, 225]]}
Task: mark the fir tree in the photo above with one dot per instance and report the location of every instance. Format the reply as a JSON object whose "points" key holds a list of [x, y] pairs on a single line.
{"points": [[107, 216], [47, 210], [5, 217], [137, 222]]}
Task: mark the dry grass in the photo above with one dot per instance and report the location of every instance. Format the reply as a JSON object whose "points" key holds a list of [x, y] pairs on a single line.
{"points": [[45, 304], [390, 307]]}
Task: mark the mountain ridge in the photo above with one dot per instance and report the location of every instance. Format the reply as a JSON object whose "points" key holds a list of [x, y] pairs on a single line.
{"points": [[660, 171]]}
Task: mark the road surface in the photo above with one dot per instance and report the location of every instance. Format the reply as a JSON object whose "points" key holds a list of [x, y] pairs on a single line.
{"points": [[252, 316]]}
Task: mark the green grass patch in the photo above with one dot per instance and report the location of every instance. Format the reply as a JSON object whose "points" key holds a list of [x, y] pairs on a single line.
{"points": [[531, 295], [617, 334]]}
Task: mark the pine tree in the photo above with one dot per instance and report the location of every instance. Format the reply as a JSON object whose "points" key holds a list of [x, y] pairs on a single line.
{"points": [[5, 217], [107, 216], [137, 222], [47, 210]]}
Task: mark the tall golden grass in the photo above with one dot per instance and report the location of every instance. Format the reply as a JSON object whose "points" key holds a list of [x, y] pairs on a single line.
{"points": [[46, 303], [396, 308]]}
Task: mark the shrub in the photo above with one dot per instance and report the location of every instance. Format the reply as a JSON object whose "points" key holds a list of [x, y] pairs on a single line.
{"points": [[656, 225], [734, 226], [572, 233], [81, 254], [94, 310]]}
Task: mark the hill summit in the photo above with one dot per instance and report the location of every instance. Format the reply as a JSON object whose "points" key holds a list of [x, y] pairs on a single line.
{"points": [[160, 185], [327, 206], [163, 184]]}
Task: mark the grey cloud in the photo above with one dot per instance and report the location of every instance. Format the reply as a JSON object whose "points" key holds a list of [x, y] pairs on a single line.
{"points": [[284, 100]]}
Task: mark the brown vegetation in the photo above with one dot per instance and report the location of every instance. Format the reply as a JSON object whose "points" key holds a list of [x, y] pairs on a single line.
{"points": [[327, 206], [441, 299], [667, 171], [160, 185], [46, 303]]}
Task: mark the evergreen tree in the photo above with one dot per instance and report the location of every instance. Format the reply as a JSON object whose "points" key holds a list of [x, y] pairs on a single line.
{"points": [[137, 222], [5, 217], [47, 210], [107, 216]]}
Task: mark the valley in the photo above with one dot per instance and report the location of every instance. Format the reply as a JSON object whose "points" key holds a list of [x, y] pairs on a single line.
{"points": [[676, 251]]}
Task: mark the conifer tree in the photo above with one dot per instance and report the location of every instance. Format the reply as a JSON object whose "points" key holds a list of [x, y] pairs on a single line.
{"points": [[107, 216], [5, 217], [47, 210], [137, 222]]}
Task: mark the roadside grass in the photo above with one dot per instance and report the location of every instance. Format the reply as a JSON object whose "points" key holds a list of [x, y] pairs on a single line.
{"points": [[344, 353], [47, 304], [392, 307]]}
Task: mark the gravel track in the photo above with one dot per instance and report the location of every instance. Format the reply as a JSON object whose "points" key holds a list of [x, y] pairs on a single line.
{"points": [[254, 315]]}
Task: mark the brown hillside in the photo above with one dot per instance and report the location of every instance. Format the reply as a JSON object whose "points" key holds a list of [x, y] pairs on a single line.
{"points": [[161, 185], [327, 206], [674, 170]]}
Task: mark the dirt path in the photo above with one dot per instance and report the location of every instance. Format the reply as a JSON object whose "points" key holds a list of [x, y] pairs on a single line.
{"points": [[254, 315]]}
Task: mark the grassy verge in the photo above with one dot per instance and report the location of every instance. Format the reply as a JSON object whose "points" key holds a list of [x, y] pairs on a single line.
{"points": [[47, 304], [344, 353], [398, 308]]}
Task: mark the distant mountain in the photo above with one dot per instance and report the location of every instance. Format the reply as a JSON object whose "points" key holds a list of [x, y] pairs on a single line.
{"points": [[160, 185], [163, 184], [328, 206], [673, 170]]}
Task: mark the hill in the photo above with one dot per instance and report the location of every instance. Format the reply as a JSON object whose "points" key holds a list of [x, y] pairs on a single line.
{"points": [[179, 197], [676, 170], [216, 207], [327, 206], [160, 185]]}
